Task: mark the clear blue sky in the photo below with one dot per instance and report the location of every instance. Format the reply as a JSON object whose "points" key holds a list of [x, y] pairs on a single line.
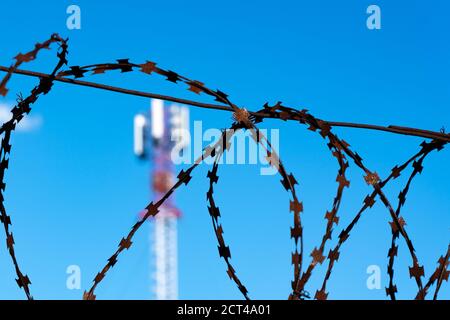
{"points": [[74, 186]]}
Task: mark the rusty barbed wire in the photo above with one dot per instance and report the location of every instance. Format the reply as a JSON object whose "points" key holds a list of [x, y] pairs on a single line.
{"points": [[288, 183], [295, 206], [18, 112], [152, 210], [241, 115], [284, 113], [392, 253], [125, 243], [247, 120], [440, 274], [214, 212], [396, 226], [416, 271]]}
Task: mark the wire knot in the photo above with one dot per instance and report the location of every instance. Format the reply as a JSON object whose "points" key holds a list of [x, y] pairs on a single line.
{"points": [[242, 116]]}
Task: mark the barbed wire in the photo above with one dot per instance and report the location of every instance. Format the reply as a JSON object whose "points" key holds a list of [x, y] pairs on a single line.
{"points": [[240, 114], [392, 253], [18, 112], [372, 179], [214, 212], [246, 120], [440, 274]]}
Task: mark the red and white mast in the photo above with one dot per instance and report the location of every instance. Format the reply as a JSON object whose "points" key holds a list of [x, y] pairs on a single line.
{"points": [[165, 130]]}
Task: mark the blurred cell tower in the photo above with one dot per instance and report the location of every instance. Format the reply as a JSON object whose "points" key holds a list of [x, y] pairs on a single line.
{"points": [[156, 135]]}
